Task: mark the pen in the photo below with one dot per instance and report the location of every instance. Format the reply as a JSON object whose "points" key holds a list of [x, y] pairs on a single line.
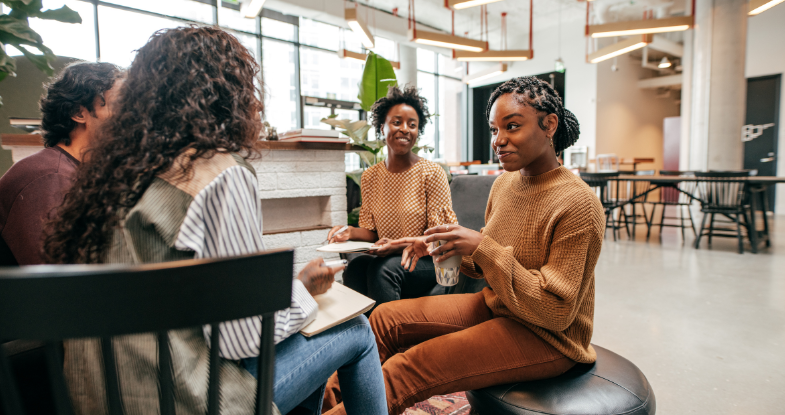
{"points": [[345, 227], [337, 263]]}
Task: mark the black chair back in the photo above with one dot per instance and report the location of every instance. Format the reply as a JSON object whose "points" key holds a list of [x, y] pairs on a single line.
{"points": [[681, 193], [601, 183], [470, 198], [52, 303], [723, 192]]}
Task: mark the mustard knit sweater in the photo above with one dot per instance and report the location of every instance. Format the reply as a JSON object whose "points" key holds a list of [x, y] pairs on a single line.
{"points": [[543, 236]]}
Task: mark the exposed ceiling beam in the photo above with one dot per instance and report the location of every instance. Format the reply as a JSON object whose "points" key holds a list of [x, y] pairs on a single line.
{"points": [[670, 81], [666, 45]]}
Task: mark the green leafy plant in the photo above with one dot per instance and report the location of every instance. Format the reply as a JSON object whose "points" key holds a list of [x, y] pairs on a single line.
{"points": [[15, 30]]}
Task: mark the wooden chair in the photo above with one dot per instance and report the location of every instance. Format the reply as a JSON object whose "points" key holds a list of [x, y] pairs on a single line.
{"points": [[52, 303], [680, 196], [724, 195], [635, 192], [607, 192]]}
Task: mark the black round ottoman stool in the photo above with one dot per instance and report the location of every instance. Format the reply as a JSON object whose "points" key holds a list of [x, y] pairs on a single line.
{"points": [[610, 386]]}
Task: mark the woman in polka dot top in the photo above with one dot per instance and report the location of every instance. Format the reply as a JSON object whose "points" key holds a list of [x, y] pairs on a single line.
{"points": [[401, 197]]}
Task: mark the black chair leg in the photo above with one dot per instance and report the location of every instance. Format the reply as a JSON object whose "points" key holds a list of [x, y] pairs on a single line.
{"points": [[662, 220], [700, 234], [741, 237], [680, 211], [651, 221], [692, 224], [711, 228]]}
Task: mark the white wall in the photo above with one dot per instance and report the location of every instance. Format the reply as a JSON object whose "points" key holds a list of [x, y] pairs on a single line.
{"points": [[766, 56], [630, 119], [580, 80]]}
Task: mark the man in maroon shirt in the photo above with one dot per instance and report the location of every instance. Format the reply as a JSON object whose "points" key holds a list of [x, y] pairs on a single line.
{"points": [[73, 108]]}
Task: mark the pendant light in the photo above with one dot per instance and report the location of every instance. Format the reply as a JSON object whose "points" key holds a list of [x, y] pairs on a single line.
{"points": [[465, 4], [760, 6], [664, 63], [619, 48], [358, 26], [500, 55], [440, 39]]}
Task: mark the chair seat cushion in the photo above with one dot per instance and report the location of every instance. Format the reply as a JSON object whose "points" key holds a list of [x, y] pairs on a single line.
{"points": [[610, 386]]}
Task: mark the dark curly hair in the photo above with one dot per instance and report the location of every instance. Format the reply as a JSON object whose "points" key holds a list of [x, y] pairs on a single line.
{"points": [[395, 95], [76, 86], [541, 96], [188, 89]]}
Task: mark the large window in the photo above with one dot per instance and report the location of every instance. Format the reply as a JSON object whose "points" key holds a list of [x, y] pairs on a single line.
{"points": [[66, 39], [298, 57], [438, 78]]}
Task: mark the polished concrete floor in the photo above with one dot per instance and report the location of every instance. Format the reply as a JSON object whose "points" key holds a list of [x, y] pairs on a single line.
{"points": [[707, 326]]}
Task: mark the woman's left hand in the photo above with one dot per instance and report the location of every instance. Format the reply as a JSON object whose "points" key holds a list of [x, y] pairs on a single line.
{"points": [[458, 241], [385, 248]]}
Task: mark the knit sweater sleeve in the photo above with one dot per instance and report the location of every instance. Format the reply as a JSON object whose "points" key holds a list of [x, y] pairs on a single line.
{"points": [[547, 297]]}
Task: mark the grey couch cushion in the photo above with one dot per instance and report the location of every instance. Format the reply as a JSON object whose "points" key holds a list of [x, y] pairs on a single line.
{"points": [[469, 199]]}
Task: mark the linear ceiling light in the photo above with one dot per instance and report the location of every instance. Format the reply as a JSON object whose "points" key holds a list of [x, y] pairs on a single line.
{"points": [[760, 6], [347, 54], [619, 48], [494, 70], [358, 26], [447, 41], [664, 63], [492, 56], [641, 27], [465, 4], [251, 8]]}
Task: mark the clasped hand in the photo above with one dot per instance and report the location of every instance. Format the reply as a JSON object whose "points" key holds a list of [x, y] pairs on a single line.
{"points": [[458, 241]]}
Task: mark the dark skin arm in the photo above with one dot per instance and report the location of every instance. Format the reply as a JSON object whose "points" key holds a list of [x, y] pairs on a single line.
{"points": [[460, 241]]}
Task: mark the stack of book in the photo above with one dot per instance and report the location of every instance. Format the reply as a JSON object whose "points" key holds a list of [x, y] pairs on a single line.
{"points": [[310, 135]]}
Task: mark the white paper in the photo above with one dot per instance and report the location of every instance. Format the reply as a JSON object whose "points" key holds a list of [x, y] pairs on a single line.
{"points": [[346, 247]]}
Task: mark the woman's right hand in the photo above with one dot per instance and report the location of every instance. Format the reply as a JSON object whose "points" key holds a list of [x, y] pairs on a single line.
{"points": [[341, 237], [411, 254], [318, 278]]}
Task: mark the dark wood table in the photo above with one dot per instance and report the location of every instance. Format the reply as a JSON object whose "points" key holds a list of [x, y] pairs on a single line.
{"points": [[756, 188]]}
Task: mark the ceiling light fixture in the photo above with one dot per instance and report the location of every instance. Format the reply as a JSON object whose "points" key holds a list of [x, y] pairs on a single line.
{"points": [[641, 27], [347, 54], [465, 4], [252, 8], [664, 63], [760, 6], [499, 55], [494, 70], [619, 48], [447, 41], [492, 56], [358, 26]]}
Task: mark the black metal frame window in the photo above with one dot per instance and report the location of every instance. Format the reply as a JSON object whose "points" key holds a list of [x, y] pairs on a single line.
{"points": [[433, 70]]}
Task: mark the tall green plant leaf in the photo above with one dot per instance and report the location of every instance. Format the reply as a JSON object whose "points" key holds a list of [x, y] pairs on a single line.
{"points": [[378, 76], [63, 14]]}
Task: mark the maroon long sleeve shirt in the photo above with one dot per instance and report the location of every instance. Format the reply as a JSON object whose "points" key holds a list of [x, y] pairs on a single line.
{"points": [[29, 191]]}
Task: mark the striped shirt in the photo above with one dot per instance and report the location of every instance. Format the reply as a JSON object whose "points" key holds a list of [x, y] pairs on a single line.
{"points": [[225, 219]]}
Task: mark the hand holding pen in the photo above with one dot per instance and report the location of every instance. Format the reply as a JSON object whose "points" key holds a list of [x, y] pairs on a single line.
{"points": [[339, 234]]}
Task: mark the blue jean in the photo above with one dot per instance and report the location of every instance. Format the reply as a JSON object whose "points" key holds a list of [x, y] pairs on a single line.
{"points": [[302, 366]]}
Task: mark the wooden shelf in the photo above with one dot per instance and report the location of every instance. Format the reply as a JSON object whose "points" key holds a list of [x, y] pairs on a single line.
{"points": [[284, 145], [26, 140]]}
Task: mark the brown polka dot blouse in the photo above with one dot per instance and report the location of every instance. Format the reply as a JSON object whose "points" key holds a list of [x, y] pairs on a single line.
{"points": [[399, 205]]}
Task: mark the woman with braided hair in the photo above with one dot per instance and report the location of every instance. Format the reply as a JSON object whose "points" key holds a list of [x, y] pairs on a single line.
{"points": [[542, 237]]}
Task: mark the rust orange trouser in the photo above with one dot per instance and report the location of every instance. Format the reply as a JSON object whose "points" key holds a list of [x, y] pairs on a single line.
{"points": [[450, 343]]}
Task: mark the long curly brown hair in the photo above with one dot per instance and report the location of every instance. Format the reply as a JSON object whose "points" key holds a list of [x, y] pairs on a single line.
{"points": [[187, 88]]}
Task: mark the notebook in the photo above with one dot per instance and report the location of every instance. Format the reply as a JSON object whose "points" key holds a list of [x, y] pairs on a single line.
{"points": [[339, 304], [347, 247]]}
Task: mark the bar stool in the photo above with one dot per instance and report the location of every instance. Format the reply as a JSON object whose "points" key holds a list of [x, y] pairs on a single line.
{"points": [[610, 386]]}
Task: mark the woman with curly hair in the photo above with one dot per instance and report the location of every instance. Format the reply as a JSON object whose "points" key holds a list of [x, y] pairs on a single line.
{"points": [[169, 180], [401, 197], [543, 233]]}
